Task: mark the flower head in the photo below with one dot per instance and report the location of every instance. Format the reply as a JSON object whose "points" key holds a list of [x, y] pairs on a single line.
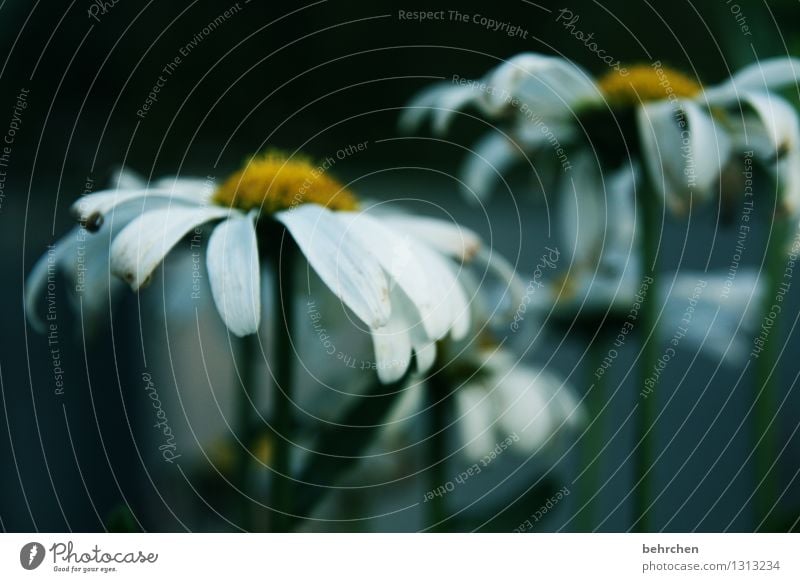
{"points": [[274, 181], [399, 274]]}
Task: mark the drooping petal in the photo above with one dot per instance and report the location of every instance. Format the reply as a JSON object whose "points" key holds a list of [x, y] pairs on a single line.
{"points": [[397, 254], [764, 75], [489, 159], [392, 342], [441, 102], [548, 86], [46, 266], [349, 271], [92, 208], [684, 150], [233, 273], [582, 212], [123, 178], [196, 189], [446, 237], [143, 244], [475, 420], [779, 120]]}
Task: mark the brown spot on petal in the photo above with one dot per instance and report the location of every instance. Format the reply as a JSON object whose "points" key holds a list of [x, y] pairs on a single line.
{"points": [[93, 222]]}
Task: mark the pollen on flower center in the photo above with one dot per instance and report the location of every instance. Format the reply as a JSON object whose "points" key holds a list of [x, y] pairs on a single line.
{"points": [[646, 83], [273, 182]]}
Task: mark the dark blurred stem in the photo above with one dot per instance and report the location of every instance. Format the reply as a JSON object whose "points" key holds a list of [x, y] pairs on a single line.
{"points": [[648, 319], [283, 368], [247, 350], [766, 397], [593, 437], [438, 402]]}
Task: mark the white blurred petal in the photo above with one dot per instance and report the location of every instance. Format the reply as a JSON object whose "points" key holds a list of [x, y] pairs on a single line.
{"points": [[491, 157]]}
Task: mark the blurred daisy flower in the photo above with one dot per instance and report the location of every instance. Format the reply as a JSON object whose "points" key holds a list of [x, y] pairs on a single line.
{"points": [[683, 134], [396, 272], [498, 397]]}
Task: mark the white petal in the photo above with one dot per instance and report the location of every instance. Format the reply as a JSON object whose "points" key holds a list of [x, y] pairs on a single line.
{"points": [[143, 244], [764, 75], [524, 399], [446, 237], [196, 189], [582, 212], [548, 86], [489, 159], [92, 208], [475, 422], [392, 344], [123, 178], [441, 101], [398, 255], [349, 271], [513, 291], [709, 148], [683, 155], [46, 265], [779, 120], [233, 272], [789, 182]]}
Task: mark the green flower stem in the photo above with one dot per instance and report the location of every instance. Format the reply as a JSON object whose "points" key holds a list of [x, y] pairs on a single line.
{"points": [[593, 436], [439, 403], [648, 320], [246, 356], [767, 378], [283, 371]]}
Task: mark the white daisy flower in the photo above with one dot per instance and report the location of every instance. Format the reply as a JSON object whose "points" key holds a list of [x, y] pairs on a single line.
{"points": [[397, 273], [498, 398], [506, 398], [683, 134], [605, 279]]}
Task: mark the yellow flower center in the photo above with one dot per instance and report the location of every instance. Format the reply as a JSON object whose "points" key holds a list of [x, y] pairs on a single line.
{"points": [[646, 83], [274, 182]]}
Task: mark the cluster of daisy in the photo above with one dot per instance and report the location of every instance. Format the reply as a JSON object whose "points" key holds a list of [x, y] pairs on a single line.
{"points": [[410, 280]]}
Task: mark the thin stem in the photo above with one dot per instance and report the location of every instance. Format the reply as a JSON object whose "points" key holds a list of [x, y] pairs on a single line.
{"points": [[593, 437], [648, 320], [767, 377], [283, 370], [246, 356], [438, 401]]}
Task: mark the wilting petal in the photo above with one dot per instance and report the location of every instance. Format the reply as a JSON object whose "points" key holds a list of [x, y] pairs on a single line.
{"points": [[764, 75], [48, 264], [475, 420], [349, 271], [92, 208], [233, 273], [513, 291], [392, 343], [548, 86], [199, 190], [441, 102], [397, 254], [143, 244], [489, 159], [123, 178], [683, 154], [446, 237], [779, 120], [582, 212]]}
